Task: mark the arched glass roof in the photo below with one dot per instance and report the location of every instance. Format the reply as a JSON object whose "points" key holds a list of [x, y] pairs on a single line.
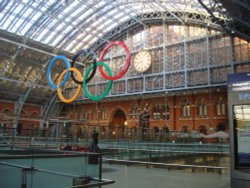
{"points": [[71, 25]]}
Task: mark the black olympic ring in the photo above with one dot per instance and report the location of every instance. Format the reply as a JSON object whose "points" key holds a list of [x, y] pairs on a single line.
{"points": [[94, 57]]}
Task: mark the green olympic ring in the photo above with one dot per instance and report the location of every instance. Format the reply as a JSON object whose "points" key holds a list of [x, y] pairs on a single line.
{"points": [[84, 85]]}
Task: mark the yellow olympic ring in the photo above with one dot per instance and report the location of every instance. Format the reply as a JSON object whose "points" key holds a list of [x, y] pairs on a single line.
{"points": [[79, 77]]}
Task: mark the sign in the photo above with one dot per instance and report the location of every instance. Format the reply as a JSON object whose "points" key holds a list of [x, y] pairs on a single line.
{"points": [[238, 82]]}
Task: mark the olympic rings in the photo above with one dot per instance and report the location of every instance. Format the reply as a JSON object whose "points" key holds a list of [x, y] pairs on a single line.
{"points": [[94, 62], [125, 68], [48, 73], [79, 77], [83, 81], [95, 98]]}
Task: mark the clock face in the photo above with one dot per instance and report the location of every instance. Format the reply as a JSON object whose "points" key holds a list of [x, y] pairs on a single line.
{"points": [[142, 61]]}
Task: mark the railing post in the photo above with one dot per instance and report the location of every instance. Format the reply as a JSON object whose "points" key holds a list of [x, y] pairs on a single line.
{"points": [[25, 171], [24, 179]]}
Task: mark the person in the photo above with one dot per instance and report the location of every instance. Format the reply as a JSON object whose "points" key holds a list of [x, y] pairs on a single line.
{"points": [[93, 159], [19, 129]]}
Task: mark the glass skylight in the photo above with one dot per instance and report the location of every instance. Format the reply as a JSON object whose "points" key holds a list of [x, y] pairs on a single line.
{"points": [[78, 23]]}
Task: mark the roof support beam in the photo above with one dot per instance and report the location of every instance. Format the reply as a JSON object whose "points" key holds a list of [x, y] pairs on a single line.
{"points": [[18, 108]]}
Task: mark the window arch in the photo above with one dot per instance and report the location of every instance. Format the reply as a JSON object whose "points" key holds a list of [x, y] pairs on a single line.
{"points": [[103, 112], [165, 112], [220, 107], [202, 108], [95, 114], [160, 111], [84, 114], [186, 109], [156, 111]]}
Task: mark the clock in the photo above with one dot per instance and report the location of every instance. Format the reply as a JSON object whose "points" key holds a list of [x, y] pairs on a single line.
{"points": [[142, 61]]}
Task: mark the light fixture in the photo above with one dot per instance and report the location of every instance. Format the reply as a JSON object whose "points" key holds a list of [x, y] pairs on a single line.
{"points": [[125, 123]]}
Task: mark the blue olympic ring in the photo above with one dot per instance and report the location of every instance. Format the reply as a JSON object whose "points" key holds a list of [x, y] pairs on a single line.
{"points": [[48, 73]]}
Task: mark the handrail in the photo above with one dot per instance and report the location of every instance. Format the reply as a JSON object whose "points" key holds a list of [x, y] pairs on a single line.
{"points": [[49, 150], [163, 164], [99, 183], [38, 169], [169, 151]]}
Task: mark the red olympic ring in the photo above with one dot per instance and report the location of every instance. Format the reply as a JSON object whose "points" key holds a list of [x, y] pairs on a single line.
{"points": [[125, 68]]}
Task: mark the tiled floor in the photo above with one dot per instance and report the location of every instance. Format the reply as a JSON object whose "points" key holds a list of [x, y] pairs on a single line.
{"points": [[142, 177]]}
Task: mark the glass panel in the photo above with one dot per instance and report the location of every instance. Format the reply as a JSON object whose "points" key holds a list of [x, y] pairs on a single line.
{"points": [[41, 179], [7, 174], [45, 168]]}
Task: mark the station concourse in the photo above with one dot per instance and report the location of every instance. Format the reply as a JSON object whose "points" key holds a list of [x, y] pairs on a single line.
{"points": [[124, 93]]}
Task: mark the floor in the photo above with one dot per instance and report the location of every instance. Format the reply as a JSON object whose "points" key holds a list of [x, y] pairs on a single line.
{"points": [[142, 177]]}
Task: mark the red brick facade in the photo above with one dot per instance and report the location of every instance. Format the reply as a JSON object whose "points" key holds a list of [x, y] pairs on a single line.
{"points": [[176, 121], [28, 111], [117, 112]]}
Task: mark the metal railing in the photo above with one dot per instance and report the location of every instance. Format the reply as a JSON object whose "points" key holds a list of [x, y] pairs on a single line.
{"points": [[39, 167]]}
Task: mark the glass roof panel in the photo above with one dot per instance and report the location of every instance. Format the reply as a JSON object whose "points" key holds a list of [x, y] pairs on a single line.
{"points": [[59, 27], [27, 12], [70, 45], [55, 41], [52, 21]]}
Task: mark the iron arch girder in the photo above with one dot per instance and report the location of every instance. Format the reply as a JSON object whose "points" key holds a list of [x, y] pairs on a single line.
{"points": [[20, 102], [191, 18]]}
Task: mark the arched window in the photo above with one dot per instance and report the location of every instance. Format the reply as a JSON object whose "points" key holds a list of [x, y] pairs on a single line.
{"points": [[165, 112], [156, 112], [186, 108], [103, 112], [220, 107], [95, 114], [84, 115], [202, 108]]}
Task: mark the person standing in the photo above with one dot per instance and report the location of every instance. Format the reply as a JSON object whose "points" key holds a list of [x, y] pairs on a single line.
{"points": [[93, 159]]}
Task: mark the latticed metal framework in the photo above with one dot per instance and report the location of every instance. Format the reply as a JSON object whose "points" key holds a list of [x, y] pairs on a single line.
{"points": [[184, 57], [190, 49], [236, 10], [71, 25]]}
